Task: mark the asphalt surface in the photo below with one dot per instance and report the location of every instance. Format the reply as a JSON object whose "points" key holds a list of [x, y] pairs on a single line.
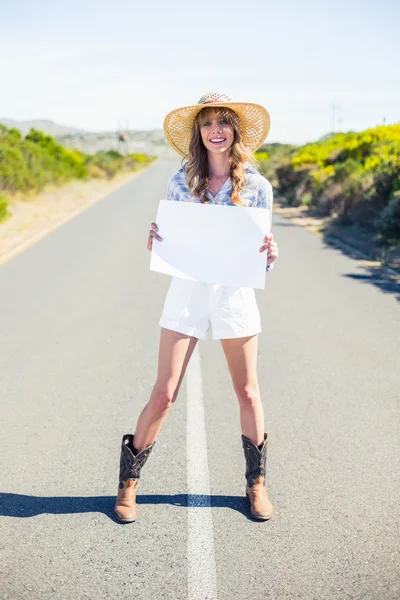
{"points": [[79, 338]]}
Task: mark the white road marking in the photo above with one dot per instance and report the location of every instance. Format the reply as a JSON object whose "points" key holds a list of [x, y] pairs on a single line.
{"points": [[202, 578]]}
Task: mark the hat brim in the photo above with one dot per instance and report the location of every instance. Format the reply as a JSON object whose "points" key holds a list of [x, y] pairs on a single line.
{"points": [[254, 118]]}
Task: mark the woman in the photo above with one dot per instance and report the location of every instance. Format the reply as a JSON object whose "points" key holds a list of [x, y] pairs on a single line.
{"points": [[218, 138]]}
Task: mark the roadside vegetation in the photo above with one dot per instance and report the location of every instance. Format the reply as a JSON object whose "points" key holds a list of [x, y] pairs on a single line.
{"points": [[28, 164], [349, 179], [352, 178]]}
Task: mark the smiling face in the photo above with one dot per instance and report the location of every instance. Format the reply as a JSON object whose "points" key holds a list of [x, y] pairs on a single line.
{"points": [[216, 129]]}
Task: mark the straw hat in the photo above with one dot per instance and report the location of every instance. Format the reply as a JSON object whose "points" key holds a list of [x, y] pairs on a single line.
{"points": [[254, 121]]}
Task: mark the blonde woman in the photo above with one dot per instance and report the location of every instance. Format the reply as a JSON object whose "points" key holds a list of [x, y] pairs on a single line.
{"points": [[217, 138]]}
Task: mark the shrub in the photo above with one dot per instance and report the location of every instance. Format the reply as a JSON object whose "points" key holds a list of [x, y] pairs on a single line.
{"points": [[352, 176], [261, 155], [345, 169], [289, 179], [32, 162], [307, 199], [4, 213], [14, 174], [388, 223], [271, 156]]}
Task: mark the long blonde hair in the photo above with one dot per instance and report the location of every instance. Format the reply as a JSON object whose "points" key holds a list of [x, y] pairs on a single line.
{"points": [[197, 171]]}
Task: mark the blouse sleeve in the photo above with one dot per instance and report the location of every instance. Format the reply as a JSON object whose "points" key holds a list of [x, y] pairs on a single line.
{"points": [[265, 194], [177, 188], [171, 187]]}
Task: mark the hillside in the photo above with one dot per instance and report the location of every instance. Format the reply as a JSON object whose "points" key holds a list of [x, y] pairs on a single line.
{"points": [[349, 182], [45, 125]]}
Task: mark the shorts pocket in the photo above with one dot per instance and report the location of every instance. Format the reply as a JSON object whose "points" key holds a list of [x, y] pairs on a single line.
{"points": [[243, 309], [177, 299]]}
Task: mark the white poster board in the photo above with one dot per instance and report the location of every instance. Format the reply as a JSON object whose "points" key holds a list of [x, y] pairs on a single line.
{"points": [[211, 243]]}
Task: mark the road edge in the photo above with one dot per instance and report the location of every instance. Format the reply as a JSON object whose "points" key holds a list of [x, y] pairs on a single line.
{"points": [[338, 241], [19, 248]]}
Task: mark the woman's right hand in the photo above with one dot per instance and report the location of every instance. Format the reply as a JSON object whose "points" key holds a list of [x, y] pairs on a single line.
{"points": [[153, 234]]}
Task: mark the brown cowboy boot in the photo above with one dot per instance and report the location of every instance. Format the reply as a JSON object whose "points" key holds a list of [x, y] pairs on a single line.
{"points": [[131, 462], [256, 458]]}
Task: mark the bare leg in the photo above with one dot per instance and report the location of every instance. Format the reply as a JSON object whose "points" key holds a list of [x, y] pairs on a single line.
{"points": [[241, 356], [174, 355]]}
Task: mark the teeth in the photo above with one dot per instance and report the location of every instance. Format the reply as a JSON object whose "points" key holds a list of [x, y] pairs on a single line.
{"points": [[219, 140]]}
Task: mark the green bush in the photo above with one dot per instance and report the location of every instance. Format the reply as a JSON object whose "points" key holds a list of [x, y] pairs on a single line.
{"points": [[14, 173], [4, 213], [140, 158], [352, 176], [307, 199], [270, 156], [30, 162], [388, 223], [346, 169]]}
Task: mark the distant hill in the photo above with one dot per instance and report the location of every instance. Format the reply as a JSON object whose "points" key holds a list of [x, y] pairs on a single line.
{"points": [[147, 141], [45, 125]]}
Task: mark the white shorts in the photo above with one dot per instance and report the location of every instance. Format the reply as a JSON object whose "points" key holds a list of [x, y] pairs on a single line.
{"points": [[191, 306]]}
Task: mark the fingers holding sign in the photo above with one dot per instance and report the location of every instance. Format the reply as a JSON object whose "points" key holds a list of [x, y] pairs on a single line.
{"points": [[153, 234], [272, 248]]}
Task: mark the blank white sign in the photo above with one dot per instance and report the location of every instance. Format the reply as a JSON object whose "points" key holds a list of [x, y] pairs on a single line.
{"points": [[211, 243]]}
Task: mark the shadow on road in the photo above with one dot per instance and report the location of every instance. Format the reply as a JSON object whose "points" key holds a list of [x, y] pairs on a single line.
{"points": [[387, 281], [18, 505], [380, 279], [284, 224], [373, 274]]}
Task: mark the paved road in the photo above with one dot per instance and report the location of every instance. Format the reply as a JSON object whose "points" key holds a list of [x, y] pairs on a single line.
{"points": [[79, 340]]}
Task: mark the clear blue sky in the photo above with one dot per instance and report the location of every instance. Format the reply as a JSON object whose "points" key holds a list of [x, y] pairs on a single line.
{"points": [[91, 63]]}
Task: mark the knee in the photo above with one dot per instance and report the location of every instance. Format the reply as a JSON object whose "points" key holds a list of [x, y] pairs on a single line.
{"points": [[248, 395], [162, 399]]}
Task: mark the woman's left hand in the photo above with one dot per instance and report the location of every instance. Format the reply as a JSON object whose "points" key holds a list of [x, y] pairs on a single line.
{"points": [[272, 248]]}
